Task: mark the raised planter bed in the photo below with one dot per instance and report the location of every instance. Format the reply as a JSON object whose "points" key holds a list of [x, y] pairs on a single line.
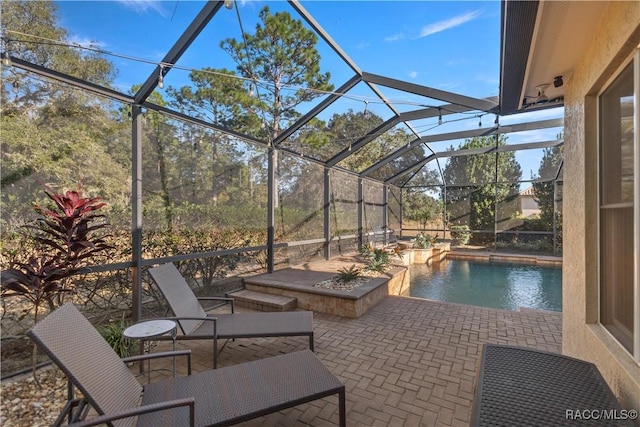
{"points": [[352, 304], [298, 283], [411, 255]]}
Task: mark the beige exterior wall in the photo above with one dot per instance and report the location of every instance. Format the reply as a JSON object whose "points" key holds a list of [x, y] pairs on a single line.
{"points": [[529, 206], [614, 40]]}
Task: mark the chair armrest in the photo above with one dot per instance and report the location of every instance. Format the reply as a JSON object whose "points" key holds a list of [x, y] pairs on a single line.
{"points": [[209, 319], [161, 355], [228, 300], [131, 412], [178, 319], [215, 299]]}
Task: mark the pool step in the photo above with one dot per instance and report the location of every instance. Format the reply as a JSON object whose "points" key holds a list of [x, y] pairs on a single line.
{"points": [[262, 301]]}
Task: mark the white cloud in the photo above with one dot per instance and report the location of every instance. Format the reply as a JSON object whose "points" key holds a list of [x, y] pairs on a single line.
{"points": [[413, 74], [449, 23], [395, 37], [437, 26], [145, 6]]}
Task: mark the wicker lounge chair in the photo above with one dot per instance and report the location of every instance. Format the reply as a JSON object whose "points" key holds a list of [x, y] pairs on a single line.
{"points": [[196, 324], [212, 398]]}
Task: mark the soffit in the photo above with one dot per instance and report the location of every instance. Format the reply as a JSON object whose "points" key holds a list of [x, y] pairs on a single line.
{"points": [[534, 55]]}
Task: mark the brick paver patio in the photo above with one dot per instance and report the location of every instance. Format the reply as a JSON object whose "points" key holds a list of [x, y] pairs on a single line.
{"points": [[406, 362]]}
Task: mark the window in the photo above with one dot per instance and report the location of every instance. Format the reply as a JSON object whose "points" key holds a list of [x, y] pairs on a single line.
{"points": [[618, 195]]}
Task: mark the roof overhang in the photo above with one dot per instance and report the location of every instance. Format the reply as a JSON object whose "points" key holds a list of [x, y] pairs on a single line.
{"points": [[541, 43]]}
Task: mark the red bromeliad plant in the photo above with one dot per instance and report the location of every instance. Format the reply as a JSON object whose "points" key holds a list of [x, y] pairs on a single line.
{"points": [[69, 236], [67, 233], [68, 228], [37, 280]]}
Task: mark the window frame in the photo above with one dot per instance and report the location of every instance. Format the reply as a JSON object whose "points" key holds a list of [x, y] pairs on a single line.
{"points": [[634, 60]]}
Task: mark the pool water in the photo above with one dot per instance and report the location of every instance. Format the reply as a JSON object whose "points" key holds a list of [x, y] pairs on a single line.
{"points": [[489, 284]]}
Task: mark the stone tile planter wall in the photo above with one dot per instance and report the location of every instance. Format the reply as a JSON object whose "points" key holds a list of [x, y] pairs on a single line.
{"points": [[354, 303]]}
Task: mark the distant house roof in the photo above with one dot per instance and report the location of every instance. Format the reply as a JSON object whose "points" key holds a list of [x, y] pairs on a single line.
{"points": [[527, 192]]}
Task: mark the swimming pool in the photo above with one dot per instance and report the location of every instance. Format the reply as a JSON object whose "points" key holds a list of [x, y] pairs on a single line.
{"points": [[489, 284]]}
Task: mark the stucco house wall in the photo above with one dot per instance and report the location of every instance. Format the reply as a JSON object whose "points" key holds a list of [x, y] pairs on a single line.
{"points": [[528, 205], [615, 39]]}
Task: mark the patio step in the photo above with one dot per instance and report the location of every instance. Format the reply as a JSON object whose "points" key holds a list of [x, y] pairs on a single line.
{"points": [[262, 301]]}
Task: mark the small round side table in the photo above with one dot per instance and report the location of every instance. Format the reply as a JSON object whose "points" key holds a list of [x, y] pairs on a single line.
{"points": [[148, 329]]}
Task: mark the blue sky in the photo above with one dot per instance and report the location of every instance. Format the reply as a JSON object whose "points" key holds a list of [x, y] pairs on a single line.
{"points": [[452, 46], [447, 45]]}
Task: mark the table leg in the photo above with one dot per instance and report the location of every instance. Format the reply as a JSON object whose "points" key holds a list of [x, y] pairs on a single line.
{"points": [[174, 333], [141, 351], [149, 367]]}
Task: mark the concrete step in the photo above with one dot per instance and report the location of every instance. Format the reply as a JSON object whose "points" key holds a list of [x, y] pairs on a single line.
{"points": [[263, 302]]}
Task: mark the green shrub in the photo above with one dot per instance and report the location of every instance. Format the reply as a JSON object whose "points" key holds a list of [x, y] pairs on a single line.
{"points": [[112, 333], [424, 241], [460, 233], [540, 245]]}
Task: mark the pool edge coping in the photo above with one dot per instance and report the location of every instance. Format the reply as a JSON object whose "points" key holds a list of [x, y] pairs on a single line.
{"points": [[542, 260]]}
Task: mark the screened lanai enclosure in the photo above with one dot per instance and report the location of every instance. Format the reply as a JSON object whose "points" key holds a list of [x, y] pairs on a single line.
{"points": [[272, 149]]}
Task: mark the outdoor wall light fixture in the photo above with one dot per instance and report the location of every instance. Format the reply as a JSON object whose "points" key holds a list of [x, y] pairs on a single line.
{"points": [[542, 97], [161, 77], [228, 4], [557, 81]]}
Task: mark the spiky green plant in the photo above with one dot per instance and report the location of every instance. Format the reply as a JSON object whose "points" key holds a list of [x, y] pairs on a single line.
{"points": [[378, 259], [346, 275], [112, 333]]}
